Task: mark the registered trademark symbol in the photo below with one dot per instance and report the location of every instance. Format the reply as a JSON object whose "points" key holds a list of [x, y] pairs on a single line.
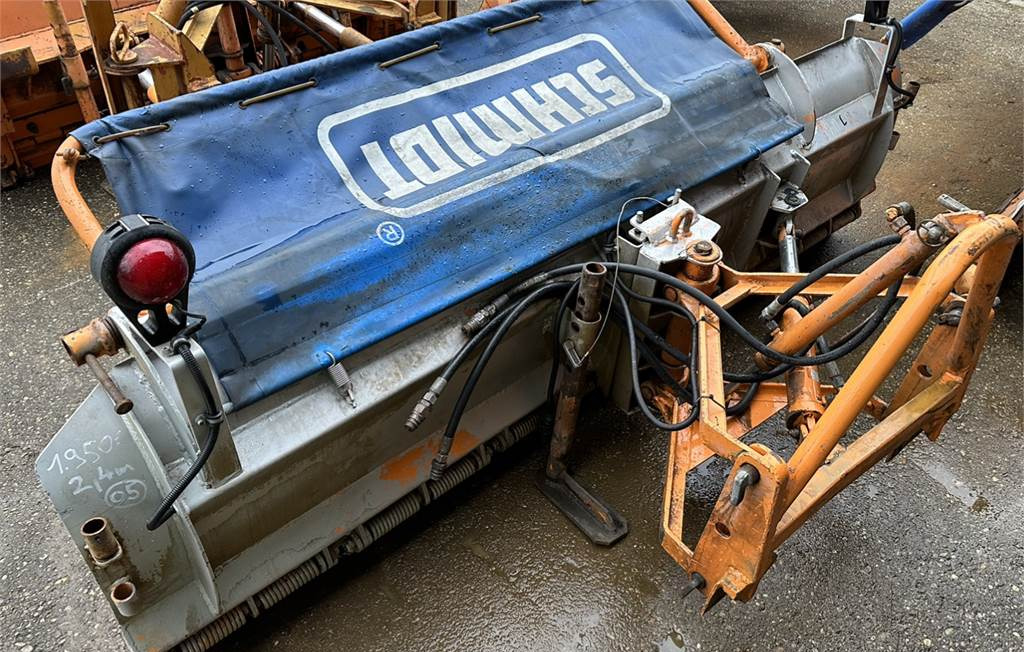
{"points": [[390, 233]]}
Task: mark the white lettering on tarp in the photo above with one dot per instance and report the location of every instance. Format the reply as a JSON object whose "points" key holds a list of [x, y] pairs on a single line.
{"points": [[397, 185], [487, 145], [607, 84], [550, 105], [454, 139], [422, 153], [446, 148]]}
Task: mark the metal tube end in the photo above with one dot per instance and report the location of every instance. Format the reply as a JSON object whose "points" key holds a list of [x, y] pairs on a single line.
{"points": [[125, 597], [100, 541]]}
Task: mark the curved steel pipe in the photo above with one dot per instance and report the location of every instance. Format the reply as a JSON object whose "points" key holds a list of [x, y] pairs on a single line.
{"points": [[62, 176], [755, 54]]}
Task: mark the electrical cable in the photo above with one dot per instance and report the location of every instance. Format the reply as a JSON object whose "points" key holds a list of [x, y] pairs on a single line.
{"points": [[212, 417]]}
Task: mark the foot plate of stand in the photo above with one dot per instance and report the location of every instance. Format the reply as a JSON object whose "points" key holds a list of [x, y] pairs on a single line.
{"points": [[594, 517]]}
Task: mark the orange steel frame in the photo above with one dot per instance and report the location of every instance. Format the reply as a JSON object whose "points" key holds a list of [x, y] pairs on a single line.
{"points": [[739, 541]]}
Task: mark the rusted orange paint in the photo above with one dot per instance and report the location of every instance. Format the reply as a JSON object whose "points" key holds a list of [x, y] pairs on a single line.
{"points": [[407, 467], [412, 466]]}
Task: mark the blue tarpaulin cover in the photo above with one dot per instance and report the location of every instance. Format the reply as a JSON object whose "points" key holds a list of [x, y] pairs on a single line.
{"points": [[330, 218]]}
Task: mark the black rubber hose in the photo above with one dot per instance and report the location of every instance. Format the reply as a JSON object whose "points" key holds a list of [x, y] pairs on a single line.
{"points": [[744, 403], [750, 376], [440, 461], [635, 374], [298, 21], [818, 273], [556, 352], [195, 7], [673, 307], [212, 418], [890, 64], [652, 360], [723, 315], [468, 348]]}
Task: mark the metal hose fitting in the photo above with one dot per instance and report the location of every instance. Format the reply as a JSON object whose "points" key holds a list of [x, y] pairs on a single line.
{"points": [[484, 315], [419, 413], [438, 466]]}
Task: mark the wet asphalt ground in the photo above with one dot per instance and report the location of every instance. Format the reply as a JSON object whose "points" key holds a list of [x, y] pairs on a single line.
{"points": [[924, 553]]}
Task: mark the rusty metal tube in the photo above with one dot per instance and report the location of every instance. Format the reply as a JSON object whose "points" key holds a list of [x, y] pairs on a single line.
{"points": [[62, 176], [71, 60], [583, 331], [755, 54], [125, 597], [803, 388], [99, 539], [936, 283], [122, 404], [985, 283], [230, 45], [345, 36]]}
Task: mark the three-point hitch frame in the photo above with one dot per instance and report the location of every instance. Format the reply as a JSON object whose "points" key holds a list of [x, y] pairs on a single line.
{"points": [[766, 498]]}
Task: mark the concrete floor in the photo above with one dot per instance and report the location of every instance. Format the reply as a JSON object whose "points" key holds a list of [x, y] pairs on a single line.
{"points": [[926, 552]]}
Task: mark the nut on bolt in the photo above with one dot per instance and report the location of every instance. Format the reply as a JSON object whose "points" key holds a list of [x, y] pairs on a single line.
{"points": [[933, 233], [900, 217]]}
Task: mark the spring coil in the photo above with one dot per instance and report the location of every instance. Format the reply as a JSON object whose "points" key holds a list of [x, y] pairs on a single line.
{"points": [[339, 376], [516, 432], [376, 527], [215, 632], [392, 516], [291, 582], [466, 467]]}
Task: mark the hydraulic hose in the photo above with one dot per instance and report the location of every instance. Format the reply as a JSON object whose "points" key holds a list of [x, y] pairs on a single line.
{"points": [[429, 398], [298, 21], [723, 314], [556, 353], [815, 275], [890, 64], [440, 462], [212, 418], [635, 374], [195, 7]]}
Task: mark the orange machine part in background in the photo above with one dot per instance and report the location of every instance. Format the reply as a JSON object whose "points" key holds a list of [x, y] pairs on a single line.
{"points": [[38, 106]]}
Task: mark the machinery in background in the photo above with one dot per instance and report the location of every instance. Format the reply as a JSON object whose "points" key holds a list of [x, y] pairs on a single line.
{"points": [[309, 261], [70, 61]]}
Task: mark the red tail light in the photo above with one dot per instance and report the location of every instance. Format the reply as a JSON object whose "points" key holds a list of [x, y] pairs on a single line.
{"points": [[153, 271]]}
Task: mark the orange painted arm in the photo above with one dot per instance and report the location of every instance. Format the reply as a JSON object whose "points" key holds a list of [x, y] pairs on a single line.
{"points": [[904, 326], [62, 176], [755, 54]]}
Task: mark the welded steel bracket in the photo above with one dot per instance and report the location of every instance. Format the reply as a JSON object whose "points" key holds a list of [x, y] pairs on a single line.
{"points": [[765, 499]]}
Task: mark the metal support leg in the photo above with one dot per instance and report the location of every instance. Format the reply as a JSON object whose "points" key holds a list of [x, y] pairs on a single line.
{"points": [[595, 518]]}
